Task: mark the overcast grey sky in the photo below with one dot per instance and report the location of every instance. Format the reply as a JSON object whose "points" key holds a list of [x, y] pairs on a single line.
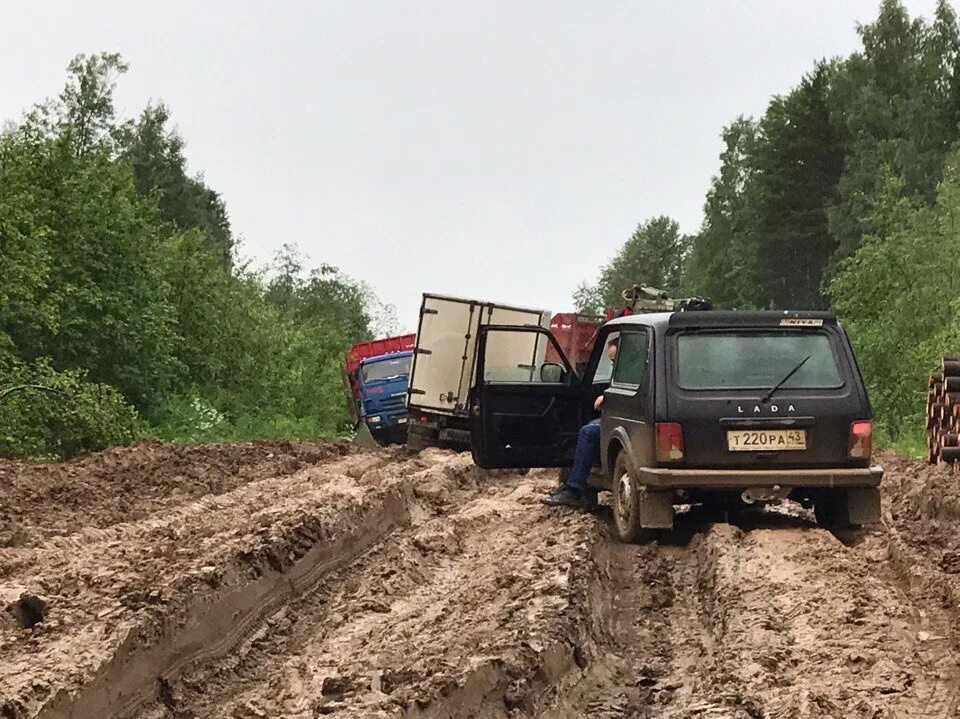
{"points": [[499, 150]]}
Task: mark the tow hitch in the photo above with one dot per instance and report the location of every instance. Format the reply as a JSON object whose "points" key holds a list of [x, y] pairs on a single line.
{"points": [[776, 493]]}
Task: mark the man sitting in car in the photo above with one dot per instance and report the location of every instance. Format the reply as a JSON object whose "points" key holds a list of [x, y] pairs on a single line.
{"points": [[574, 491]]}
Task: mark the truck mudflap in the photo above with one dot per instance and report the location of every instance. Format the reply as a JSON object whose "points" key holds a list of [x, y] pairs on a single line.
{"points": [[668, 478]]}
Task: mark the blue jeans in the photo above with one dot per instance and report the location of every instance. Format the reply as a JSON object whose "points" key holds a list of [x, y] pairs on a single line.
{"points": [[588, 448]]}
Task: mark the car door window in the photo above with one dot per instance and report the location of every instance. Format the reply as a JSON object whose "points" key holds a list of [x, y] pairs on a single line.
{"points": [[604, 370], [511, 356], [630, 368]]}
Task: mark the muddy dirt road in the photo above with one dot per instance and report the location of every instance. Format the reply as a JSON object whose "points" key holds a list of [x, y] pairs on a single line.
{"points": [[306, 580]]}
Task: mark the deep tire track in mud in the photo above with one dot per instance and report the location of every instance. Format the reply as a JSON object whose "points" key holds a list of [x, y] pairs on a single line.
{"points": [[424, 622], [182, 612], [312, 580], [126, 601], [770, 616]]}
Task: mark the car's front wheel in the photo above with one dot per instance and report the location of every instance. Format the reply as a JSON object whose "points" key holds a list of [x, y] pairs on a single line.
{"points": [[626, 501]]}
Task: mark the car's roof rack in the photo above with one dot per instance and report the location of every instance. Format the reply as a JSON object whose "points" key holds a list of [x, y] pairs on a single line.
{"points": [[640, 299]]}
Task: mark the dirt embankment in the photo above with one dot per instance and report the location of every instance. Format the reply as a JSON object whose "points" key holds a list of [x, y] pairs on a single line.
{"points": [[122, 485], [376, 581], [386, 584]]}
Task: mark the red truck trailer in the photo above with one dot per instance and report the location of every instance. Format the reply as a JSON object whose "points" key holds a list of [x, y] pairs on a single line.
{"points": [[574, 333]]}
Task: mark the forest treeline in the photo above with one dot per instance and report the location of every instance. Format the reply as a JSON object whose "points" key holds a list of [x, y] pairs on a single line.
{"points": [[844, 195], [122, 289]]}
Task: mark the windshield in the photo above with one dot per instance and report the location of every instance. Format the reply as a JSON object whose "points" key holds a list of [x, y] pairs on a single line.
{"points": [[756, 360], [386, 368]]}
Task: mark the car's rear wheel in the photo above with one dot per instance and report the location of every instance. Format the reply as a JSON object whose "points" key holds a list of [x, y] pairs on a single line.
{"points": [[626, 501], [830, 509]]}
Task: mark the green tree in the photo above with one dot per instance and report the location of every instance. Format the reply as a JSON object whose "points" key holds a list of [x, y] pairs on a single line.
{"points": [[895, 107], [653, 255], [99, 302], [322, 295], [86, 113], [898, 301], [117, 287], [155, 155], [797, 165], [721, 262]]}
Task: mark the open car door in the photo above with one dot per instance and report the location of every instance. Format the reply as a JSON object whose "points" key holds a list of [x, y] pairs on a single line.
{"points": [[525, 411]]}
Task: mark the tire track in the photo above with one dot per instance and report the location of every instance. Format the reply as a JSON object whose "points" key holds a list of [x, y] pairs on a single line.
{"points": [[771, 617], [383, 584], [424, 623]]}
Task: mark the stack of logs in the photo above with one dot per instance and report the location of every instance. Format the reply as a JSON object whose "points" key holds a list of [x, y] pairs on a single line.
{"points": [[943, 413]]}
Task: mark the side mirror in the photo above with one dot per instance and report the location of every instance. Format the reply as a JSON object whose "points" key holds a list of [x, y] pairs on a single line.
{"points": [[552, 372]]}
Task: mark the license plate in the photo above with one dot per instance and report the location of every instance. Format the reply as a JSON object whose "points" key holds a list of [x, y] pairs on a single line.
{"points": [[402, 420], [766, 440]]}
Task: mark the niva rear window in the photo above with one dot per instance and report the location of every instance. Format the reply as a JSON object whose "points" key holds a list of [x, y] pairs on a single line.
{"points": [[756, 360]]}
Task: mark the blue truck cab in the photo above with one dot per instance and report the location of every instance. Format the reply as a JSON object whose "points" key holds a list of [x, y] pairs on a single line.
{"points": [[383, 395]]}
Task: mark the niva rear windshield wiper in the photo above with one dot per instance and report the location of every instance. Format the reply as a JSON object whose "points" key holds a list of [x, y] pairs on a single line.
{"points": [[778, 385]]}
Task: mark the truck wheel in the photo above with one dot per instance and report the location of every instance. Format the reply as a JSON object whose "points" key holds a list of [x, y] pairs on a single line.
{"points": [[419, 438], [626, 501]]}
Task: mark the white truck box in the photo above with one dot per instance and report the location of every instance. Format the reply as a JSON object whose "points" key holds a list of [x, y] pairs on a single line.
{"points": [[444, 360]]}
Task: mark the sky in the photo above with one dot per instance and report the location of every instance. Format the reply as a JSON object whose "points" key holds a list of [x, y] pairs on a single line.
{"points": [[499, 150]]}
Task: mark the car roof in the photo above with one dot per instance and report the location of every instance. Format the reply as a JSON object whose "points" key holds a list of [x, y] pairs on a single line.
{"points": [[652, 319], [729, 318]]}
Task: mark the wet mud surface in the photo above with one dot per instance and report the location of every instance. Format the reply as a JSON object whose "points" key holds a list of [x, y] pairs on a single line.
{"points": [[306, 580]]}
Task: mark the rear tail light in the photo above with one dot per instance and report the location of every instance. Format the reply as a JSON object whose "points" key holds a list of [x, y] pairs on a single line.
{"points": [[861, 439], [669, 442]]}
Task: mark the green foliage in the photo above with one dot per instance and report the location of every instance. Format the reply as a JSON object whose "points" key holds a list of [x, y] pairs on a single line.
{"points": [[797, 164], [846, 194], [653, 256], [720, 263], [80, 415], [154, 153], [322, 296], [900, 300], [118, 285], [765, 240], [103, 305]]}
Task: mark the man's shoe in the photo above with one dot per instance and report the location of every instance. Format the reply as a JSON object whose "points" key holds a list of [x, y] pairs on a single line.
{"points": [[566, 497]]}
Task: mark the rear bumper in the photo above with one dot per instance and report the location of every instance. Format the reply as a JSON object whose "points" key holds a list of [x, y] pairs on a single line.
{"points": [[741, 479]]}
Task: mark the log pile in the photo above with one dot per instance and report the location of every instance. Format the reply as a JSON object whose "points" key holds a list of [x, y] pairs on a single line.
{"points": [[943, 413]]}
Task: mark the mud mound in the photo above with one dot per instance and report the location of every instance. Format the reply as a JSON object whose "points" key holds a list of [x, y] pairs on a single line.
{"points": [[385, 584], [923, 502], [922, 517], [128, 600], [478, 605], [364, 583], [750, 621], [124, 484]]}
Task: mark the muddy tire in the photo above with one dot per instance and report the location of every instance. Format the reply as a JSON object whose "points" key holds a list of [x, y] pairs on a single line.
{"points": [[419, 438], [830, 509], [626, 501]]}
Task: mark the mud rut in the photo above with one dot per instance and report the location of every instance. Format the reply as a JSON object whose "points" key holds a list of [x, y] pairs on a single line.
{"points": [[316, 580]]}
